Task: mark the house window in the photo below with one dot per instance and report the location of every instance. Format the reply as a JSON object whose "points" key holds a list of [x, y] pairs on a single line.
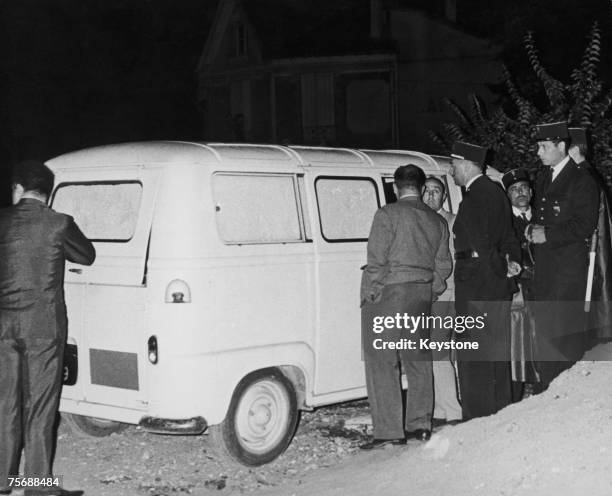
{"points": [[105, 211], [241, 40], [368, 106], [240, 109], [318, 109]]}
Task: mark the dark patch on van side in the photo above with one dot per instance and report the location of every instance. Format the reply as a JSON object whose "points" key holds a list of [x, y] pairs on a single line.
{"points": [[114, 368]]}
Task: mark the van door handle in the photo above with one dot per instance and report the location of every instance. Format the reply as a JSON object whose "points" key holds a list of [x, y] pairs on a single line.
{"points": [[76, 271]]}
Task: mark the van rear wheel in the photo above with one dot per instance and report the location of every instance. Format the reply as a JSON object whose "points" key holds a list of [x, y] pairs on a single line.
{"points": [[261, 419], [92, 426]]}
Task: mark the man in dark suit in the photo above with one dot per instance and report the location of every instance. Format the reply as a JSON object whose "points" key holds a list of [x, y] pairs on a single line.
{"points": [[408, 261], [522, 327], [566, 211], [35, 241], [486, 251]]}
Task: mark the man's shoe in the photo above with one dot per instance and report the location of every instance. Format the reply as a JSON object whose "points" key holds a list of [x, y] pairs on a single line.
{"points": [[5, 491], [381, 443], [419, 434], [528, 390]]}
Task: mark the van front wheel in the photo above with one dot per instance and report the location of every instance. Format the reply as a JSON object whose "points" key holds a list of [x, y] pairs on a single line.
{"points": [[92, 426], [261, 419]]}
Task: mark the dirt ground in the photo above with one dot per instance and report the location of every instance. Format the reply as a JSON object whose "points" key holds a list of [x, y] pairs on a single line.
{"points": [[137, 463], [557, 443]]}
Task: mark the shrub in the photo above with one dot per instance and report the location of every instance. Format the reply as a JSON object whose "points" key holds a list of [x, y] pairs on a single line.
{"points": [[581, 101]]}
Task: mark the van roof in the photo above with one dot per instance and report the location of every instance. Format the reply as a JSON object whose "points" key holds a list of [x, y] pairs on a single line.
{"points": [[166, 152]]}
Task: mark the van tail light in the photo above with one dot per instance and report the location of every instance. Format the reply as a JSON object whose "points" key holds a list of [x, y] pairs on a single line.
{"points": [[178, 291], [152, 347]]}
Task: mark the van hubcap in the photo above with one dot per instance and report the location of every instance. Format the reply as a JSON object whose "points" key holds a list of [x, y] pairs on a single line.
{"points": [[262, 416]]}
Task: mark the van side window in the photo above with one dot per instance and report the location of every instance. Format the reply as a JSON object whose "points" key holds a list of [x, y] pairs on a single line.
{"points": [[257, 208], [105, 211], [390, 196], [346, 207]]}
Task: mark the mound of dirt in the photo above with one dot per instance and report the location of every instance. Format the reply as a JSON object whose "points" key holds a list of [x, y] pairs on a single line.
{"points": [[555, 443]]}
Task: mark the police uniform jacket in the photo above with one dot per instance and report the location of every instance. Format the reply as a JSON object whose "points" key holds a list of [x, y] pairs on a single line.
{"points": [[483, 236], [35, 241], [568, 209], [526, 276]]}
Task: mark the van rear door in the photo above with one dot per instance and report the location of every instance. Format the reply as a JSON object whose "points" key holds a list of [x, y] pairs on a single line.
{"points": [[114, 208]]}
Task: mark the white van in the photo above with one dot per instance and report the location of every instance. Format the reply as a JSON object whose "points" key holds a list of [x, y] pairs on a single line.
{"points": [[225, 293]]}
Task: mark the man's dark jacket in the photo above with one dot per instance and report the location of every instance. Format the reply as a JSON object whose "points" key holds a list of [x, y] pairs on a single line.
{"points": [[526, 276], [35, 241], [484, 226], [568, 208]]}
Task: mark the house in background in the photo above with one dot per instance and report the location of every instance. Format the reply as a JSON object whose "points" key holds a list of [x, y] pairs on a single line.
{"points": [[358, 73]]}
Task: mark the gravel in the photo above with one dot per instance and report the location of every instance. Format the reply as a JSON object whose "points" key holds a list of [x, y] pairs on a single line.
{"points": [[135, 462]]}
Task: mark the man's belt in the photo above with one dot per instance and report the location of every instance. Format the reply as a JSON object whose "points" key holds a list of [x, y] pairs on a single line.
{"points": [[465, 254]]}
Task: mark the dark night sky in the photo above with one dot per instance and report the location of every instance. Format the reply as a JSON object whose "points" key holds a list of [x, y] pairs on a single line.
{"points": [[76, 73]]}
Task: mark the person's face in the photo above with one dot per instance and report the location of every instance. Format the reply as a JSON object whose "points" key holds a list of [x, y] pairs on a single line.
{"points": [[457, 171], [433, 195], [520, 195], [551, 153], [17, 193]]}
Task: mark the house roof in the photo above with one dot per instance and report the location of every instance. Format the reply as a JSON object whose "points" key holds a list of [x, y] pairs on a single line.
{"points": [[308, 28]]}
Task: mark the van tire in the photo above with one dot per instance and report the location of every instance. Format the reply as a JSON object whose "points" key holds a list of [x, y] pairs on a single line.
{"points": [[84, 426], [261, 419]]}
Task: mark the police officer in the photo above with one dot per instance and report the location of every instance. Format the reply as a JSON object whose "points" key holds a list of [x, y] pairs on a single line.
{"points": [[522, 335], [566, 210], [486, 252]]}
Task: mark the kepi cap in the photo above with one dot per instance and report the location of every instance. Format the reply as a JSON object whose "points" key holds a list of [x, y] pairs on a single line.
{"points": [[467, 151], [577, 135], [551, 132], [515, 176]]}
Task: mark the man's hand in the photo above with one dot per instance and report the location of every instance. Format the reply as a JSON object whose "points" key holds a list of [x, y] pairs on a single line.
{"points": [[514, 268], [538, 234]]}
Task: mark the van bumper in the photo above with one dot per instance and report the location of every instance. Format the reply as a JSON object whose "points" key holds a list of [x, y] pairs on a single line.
{"points": [[190, 426]]}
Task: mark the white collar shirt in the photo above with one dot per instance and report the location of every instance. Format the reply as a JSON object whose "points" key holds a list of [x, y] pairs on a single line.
{"points": [[559, 167], [519, 213]]}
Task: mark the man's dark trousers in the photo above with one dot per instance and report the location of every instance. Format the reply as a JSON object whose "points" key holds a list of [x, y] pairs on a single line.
{"points": [[383, 372], [33, 367], [35, 243], [485, 375]]}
